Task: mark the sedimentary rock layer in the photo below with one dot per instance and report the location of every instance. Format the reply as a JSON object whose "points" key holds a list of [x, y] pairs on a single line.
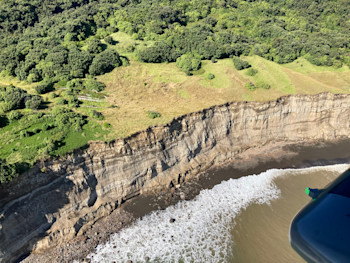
{"points": [[58, 199]]}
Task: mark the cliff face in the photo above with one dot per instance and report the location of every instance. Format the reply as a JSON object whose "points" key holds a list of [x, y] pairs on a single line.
{"points": [[58, 199]]}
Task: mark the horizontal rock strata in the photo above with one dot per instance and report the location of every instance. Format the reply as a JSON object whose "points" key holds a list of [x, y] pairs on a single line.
{"points": [[59, 199]]}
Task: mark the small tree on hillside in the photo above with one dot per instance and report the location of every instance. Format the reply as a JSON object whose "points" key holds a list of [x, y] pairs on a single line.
{"points": [[105, 62], [240, 64], [188, 62], [34, 102]]}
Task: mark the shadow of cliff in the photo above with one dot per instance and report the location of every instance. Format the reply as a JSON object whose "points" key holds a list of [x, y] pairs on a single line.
{"points": [[25, 219]]}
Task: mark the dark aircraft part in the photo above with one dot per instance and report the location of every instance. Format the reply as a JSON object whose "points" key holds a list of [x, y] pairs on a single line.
{"points": [[320, 232]]}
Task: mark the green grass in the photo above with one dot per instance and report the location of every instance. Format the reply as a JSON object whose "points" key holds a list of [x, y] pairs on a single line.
{"points": [[74, 139], [92, 104], [6, 80], [15, 148], [270, 73], [165, 73], [221, 71], [125, 41], [303, 66], [164, 88]]}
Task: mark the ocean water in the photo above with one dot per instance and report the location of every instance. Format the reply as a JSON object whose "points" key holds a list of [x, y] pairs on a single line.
{"points": [[239, 220]]}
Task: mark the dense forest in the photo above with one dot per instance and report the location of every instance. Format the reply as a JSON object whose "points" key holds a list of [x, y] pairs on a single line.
{"points": [[68, 43], [60, 39]]}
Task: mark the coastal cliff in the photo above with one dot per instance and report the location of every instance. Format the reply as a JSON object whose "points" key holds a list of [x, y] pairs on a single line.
{"points": [[59, 199]]}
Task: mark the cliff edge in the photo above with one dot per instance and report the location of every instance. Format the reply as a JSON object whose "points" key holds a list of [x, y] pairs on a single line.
{"points": [[58, 199]]}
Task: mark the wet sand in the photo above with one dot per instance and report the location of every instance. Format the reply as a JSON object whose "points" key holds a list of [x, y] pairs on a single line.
{"points": [[261, 232]]}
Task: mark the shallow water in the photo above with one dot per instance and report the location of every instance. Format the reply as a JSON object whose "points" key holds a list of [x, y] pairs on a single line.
{"points": [[261, 232], [239, 220]]}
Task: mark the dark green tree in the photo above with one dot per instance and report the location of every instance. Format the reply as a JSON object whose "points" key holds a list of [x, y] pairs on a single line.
{"points": [[34, 102], [240, 64], [105, 62]]}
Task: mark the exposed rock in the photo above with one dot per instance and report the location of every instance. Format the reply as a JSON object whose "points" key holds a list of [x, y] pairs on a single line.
{"points": [[40, 210], [182, 196]]}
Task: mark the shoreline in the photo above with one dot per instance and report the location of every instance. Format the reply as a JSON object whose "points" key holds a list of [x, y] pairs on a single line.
{"points": [[76, 191], [252, 161]]}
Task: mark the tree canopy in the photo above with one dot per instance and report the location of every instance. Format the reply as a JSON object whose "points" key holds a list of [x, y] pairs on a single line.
{"points": [[60, 39]]}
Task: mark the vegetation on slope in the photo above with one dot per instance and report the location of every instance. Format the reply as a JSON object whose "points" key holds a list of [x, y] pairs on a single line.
{"points": [[52, 50], [61, 39], [33, 129], [166, 89]]}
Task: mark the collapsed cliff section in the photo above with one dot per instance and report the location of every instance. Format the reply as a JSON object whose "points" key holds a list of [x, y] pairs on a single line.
{"points": [[59, 199]]}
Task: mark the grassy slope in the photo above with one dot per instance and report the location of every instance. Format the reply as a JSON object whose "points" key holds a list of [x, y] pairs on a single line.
{"points": [[135, 89], [140, 87], [15, 148]]}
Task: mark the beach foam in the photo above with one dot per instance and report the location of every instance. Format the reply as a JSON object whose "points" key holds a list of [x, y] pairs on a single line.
{"points": [[201, 231]]}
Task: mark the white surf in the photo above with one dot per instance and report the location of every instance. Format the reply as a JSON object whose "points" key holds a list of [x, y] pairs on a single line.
{"points": [[201, 230]]}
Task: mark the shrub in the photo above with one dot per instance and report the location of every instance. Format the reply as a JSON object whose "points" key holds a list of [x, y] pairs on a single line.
{"points": [[34, 77], [250, 86], [109, 40], [97, 115], [13, 98], [101, 33], [62, 83], [94, 46], [40, 89], [34, 102], [73, 101], [75, 85], [263, 85], [60, 101], [53, 95], [153, 114], [93, 84], [45, 127], [14, 115], [67, 119], [125, 61], [240, 64], [251, 72], [107, 125], [130, 47], [6, 106], [36, 130], [188, 63], [7, 172], [23, 134], [105, 62], [44, 88], [211, 76]]}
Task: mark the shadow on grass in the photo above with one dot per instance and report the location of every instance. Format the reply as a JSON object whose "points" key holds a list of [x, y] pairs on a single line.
{"points": [[3, 121]]}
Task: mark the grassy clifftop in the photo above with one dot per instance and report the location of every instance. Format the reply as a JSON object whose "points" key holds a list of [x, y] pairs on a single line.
{"points": [[164, 88], [158, 60]]}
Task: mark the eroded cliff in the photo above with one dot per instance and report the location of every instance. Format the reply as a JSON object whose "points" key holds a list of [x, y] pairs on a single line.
{"points": [[59, 199]]}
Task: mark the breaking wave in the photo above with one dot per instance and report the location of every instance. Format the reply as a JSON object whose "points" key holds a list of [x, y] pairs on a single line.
{"points": [[201, 230]]}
